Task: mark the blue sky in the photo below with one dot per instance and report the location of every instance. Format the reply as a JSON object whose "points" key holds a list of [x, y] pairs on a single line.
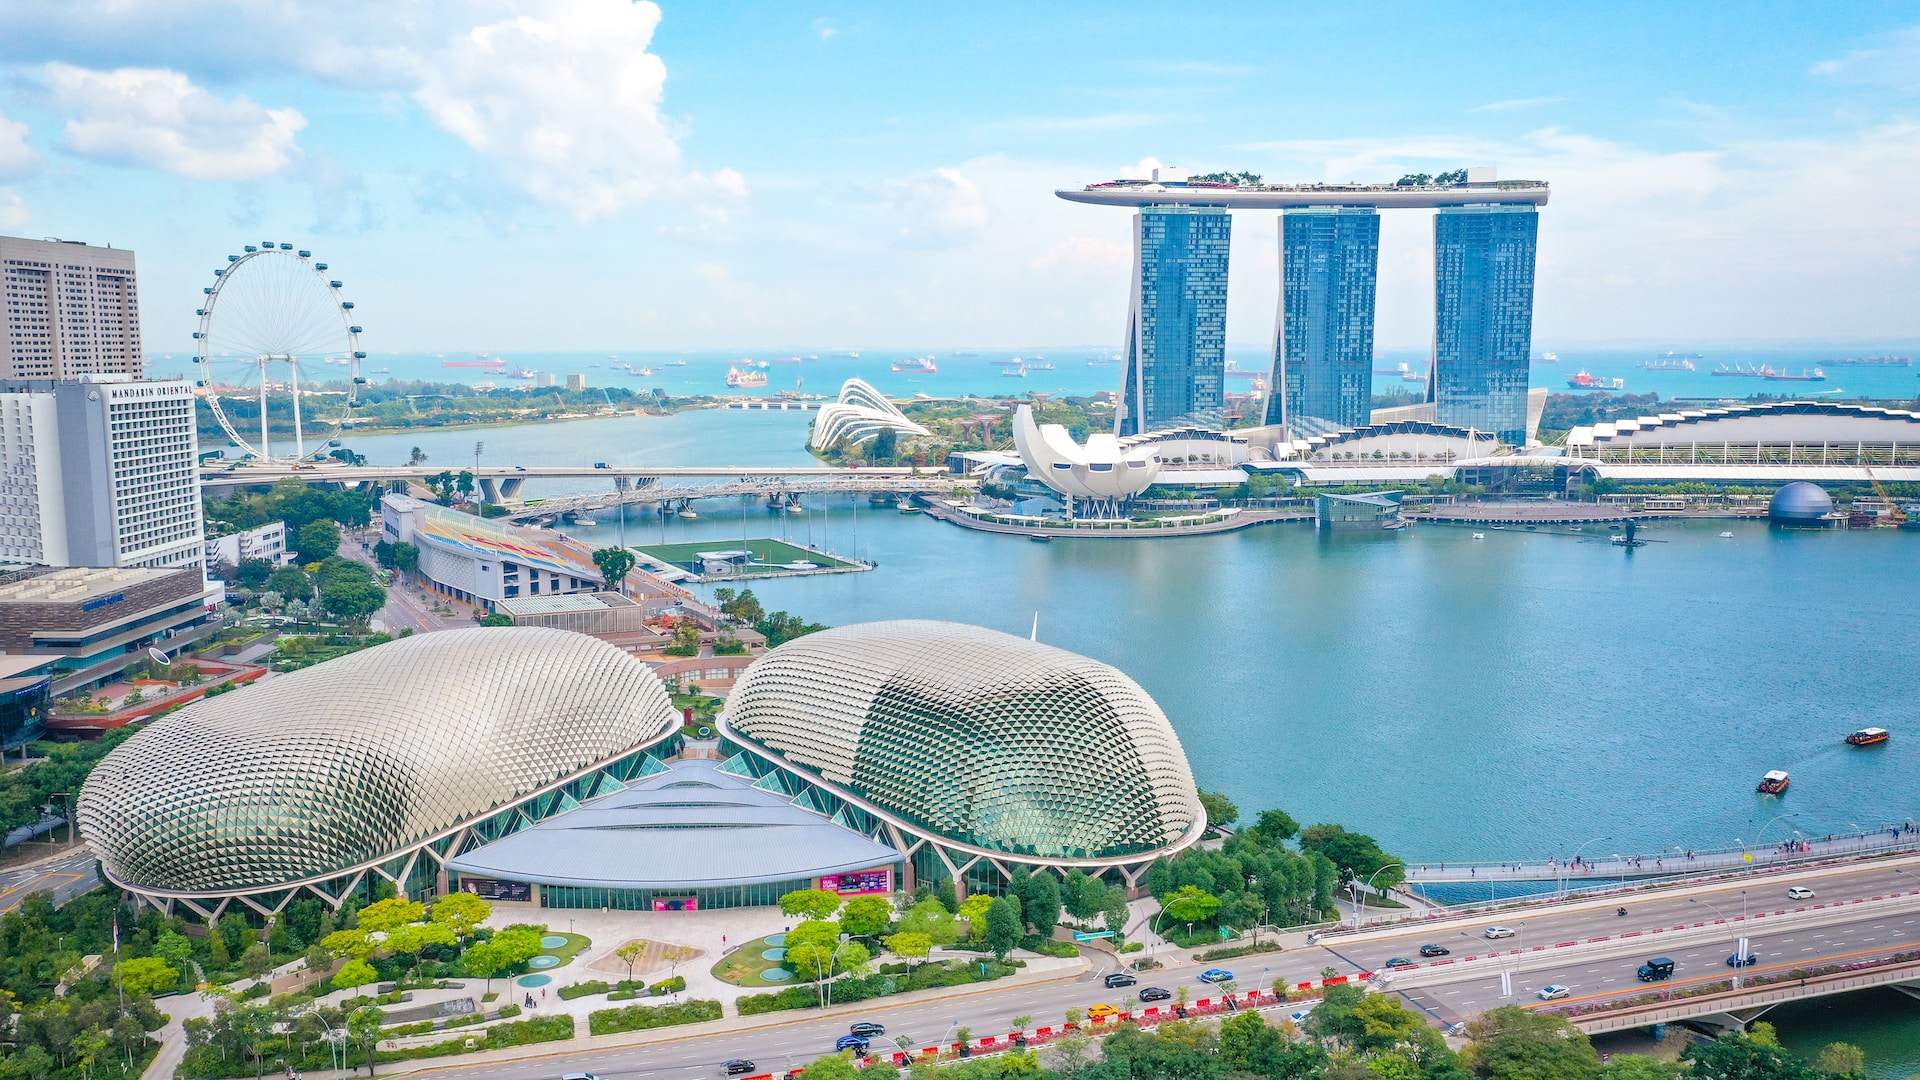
{"points": [[600, 174]]}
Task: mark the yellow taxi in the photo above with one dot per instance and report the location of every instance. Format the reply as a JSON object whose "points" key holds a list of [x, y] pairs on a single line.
{"points": [[1101, 1012]]}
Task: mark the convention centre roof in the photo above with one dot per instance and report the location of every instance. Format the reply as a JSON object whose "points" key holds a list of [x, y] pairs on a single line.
{"points": [[316, 772], [693, 827], [976, 737]]}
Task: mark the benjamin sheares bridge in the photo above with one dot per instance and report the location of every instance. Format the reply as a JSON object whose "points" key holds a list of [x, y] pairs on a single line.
{"points": [[1485, 232]]}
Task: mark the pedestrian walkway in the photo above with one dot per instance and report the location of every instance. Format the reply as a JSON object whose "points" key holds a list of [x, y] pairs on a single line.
{"points": [[1676, 862]]}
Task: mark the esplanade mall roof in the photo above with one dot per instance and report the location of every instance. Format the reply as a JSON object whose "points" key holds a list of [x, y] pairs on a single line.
{"points": [[975, 737], [315, 772]]}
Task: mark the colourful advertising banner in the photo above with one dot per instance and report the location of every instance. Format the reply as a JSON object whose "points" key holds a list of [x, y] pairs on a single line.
{"points": [[864, 883]]}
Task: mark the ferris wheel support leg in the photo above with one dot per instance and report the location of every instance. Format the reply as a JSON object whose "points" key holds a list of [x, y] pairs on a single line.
{"points": [[299, 437], [266, 452]]}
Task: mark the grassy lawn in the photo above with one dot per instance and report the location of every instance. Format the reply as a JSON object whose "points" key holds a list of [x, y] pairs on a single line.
{"points": [[745, 965], [764, 550], [566, 953]]}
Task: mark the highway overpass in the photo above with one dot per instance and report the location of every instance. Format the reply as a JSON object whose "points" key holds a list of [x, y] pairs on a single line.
{"points": [[641, 484]]}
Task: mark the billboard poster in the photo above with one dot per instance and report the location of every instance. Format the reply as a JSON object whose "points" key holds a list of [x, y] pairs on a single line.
{"points": [[676, 903], [863, 883], [490, 889]]}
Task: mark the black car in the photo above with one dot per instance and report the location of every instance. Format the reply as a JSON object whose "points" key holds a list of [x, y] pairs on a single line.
{"points": [[739, 1067], [1399, 961], [1736, 960], [1154, 993], [1119, 978], [867, 1029], [1434, 950], [1656, 969]]}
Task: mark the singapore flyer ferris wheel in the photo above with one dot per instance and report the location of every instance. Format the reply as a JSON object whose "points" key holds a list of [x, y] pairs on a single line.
{"points": [[278, 353]]}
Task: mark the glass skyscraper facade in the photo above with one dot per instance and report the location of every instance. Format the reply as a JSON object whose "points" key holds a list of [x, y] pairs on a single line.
{"points": [[1323, 344], [1176, 352], [1483, 316]]}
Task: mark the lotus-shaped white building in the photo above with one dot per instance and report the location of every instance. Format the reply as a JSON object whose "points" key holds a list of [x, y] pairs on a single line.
{"points": [[860, 415], [1103, 471]]}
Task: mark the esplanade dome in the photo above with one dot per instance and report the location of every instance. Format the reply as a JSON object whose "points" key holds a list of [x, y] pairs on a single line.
{"points": [[317, 772], [977, 737]]}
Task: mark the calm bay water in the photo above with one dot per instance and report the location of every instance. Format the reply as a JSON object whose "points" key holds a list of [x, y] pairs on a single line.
{"points": [[705, 372], [1510, 697], [1502, 698]]}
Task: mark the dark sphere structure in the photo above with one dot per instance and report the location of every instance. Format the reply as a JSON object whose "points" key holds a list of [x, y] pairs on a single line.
{"points": [[1800, 503]]}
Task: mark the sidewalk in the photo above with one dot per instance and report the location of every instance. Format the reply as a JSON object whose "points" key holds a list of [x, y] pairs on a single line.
{"points": [[1040, 969], [1792, 849]]}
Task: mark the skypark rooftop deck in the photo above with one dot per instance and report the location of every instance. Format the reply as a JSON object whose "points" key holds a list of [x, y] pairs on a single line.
{"points": [[1282, 196]]}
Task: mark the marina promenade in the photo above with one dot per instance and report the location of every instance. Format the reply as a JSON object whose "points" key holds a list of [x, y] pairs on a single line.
{"points": [[1577, 869]]}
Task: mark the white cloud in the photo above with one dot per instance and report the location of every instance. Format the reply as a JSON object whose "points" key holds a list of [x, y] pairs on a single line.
{"points": [[825, 28], [1895, 63], [1084, 255], [561, 98], [16, 157], [1748, 236], [565, 100], [13, 212], [159, 118], [937, 209], [1516, 103]]}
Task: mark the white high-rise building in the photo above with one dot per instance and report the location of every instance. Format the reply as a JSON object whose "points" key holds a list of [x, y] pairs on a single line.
{"points": [[101, 471], [71, 310]]}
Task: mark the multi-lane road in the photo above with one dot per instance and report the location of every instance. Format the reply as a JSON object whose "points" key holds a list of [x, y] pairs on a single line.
{"points": [[1454, 991], [66, 877]]}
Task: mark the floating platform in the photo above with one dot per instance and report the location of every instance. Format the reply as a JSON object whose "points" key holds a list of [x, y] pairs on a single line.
{"points": [[737, 560]]}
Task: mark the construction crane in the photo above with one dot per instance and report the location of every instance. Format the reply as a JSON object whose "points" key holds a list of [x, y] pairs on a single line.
{"points": [[1894, 515]]}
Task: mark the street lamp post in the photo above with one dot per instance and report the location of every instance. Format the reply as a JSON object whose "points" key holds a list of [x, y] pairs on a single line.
{"points": [[1153, 934], [1567, 870], [1359, 905], [1757, 837], [833, 961], [1740, 944]]}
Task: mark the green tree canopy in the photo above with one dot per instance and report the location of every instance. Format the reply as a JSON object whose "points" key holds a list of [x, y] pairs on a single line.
{"points": [[462, 911], [291, 582], [1220, 809], [316, 540], [147, 975], [388, 914], [866, 916], [355, 973], [910, 946], [1003, 925], [1511, 1043], [1276, 826], [1741, 1057], [615, 564], [1190, 904], [810, 903], [1354, 851], [831, 1067]]}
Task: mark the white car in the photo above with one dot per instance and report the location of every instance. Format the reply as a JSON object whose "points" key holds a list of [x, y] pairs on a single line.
{"points": [[1553, 992], [1799, 892], [1494, 933]]}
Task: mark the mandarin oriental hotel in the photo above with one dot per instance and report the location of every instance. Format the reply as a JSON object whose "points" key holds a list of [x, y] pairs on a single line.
{"points": [[537, 765]]}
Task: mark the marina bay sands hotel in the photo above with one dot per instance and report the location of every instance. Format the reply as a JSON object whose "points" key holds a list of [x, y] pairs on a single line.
{"points": [[1484, 235]]}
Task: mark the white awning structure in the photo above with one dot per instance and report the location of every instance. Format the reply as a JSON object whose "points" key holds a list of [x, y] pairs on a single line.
{"points": [[860, 415]]}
